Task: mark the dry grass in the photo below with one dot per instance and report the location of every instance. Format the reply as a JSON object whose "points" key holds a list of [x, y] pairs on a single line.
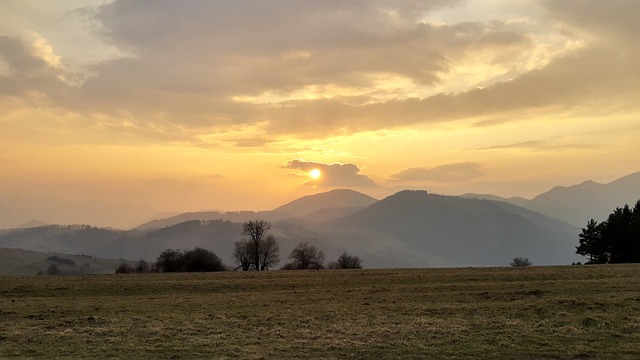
{"points": [[579, 312]]}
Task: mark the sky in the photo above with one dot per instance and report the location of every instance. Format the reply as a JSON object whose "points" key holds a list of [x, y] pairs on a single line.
{"points": [[229, 105]]}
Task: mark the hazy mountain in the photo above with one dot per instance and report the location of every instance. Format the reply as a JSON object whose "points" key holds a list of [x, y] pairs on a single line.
{"points": [[235, 216], [519, 201], [326, 214], [69, 239], [578, 204], [408, 229], [16, 210], [24, 262], [339, 198], [318, 207], [454, 231]]}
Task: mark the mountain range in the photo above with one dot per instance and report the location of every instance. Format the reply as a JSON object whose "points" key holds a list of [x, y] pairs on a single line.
{"points": [[407, 229], [577, 204]]}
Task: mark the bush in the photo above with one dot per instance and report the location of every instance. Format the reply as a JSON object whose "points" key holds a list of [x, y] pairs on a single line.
{"points": [[520, 262], [201, 260], [346, 261], [196, 260], [125, 268]]}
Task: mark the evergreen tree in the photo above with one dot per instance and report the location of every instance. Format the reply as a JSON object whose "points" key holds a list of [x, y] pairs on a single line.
{"points": [[616, 240]]}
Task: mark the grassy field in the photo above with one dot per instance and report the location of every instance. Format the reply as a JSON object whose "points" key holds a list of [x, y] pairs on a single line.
{"points": [[573, 312]]}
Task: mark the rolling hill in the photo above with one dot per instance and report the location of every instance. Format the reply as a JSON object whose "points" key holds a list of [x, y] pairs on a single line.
{"points": [[23, 262]]}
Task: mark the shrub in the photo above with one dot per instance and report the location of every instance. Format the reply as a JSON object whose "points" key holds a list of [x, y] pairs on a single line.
{"points": [[346, 261], [125, 268], [520, 262]]}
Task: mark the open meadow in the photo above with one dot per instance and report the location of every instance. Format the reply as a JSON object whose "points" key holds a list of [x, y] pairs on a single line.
{"points": [[570, 312]]}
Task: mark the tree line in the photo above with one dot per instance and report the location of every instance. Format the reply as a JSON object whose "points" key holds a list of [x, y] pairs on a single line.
{"points": [[258, 252], [615, 240]]}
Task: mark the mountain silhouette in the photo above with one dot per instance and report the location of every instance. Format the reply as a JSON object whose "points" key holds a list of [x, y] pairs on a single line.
{"points": [[334, 199], [407, 229], [454, 231], [578, 204]]}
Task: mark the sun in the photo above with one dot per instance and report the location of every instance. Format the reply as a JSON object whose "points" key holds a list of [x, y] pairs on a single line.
{"points": [[315, 174]]}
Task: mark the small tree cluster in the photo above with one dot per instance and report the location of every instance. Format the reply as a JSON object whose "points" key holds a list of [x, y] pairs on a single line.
{"points": [[615, 240], [141, 267], [196, 260], [347, 261], [260, 251]]}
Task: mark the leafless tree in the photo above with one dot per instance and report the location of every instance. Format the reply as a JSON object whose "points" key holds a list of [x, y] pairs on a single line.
{"points": [[242, 254], [269, 252], [305, 256], [261, 249]]}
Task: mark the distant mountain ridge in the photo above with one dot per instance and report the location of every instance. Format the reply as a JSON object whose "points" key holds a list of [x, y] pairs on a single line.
{"points": [[577, 204], [407, 229], [322, 206], [235, 216]]}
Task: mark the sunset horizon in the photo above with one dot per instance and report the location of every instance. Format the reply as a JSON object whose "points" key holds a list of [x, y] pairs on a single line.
{"points": [[247, 105]]}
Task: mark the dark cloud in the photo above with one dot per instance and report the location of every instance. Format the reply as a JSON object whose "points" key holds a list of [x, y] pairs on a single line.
{"points": [[333, 175], [443, 173], [27, 71]]}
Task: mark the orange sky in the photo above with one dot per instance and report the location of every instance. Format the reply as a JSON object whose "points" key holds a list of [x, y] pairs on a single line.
{"points": [[193, 105]]}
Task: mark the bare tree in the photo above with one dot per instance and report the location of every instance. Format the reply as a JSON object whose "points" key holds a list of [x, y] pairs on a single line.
{"points": [[242, 254], [346, 261], [269, 252], [305, 256], [261, 248]]}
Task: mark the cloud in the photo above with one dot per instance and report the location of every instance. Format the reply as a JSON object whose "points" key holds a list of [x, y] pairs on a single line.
{"points": [[443, 173], [317, 69], [536, 145], [333, 175]]}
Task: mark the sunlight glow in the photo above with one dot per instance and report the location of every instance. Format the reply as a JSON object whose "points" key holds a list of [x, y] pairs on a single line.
{"points": [[315, 173]]}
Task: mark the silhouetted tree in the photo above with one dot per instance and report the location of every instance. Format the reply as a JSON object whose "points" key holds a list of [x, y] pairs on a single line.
{"points": [[263, 250], [169, 260], [269, 252], [242, 254], [53, 270], [305, 256], [125, 268], [615, 240], [201, 260], [142, 266], [591, 244], [520, 262], [346, 261]]}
